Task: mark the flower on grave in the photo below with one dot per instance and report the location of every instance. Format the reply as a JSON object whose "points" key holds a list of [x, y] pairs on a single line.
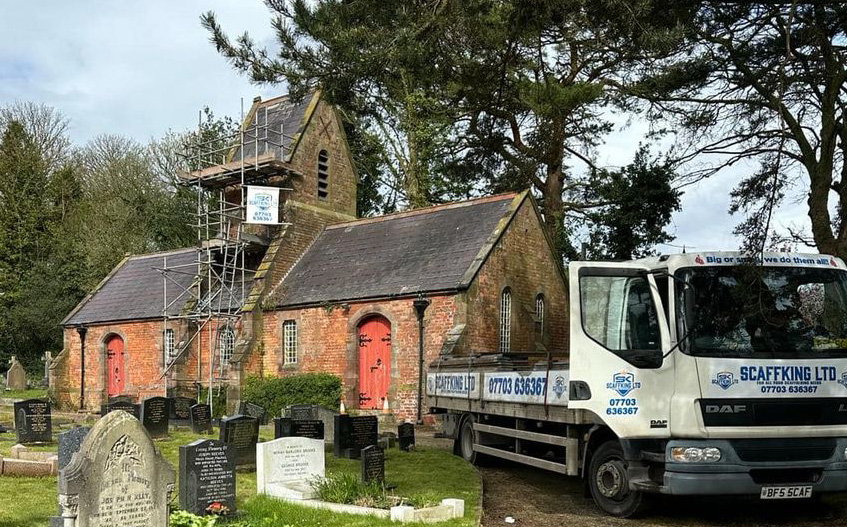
{"points": [[218, 508]]}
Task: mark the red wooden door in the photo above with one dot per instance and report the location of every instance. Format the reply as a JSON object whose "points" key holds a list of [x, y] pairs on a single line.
{"points": [[114, 366], [374, 362]]}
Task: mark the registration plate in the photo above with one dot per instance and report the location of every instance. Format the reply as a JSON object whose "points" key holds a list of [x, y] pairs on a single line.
{"points": [[786, 493]]}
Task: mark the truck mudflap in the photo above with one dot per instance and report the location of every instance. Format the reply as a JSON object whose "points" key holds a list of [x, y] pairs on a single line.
{"points": [[771, 469]]}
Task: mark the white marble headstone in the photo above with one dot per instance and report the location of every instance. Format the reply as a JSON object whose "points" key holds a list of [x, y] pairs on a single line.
{"points": [[286, 466]]}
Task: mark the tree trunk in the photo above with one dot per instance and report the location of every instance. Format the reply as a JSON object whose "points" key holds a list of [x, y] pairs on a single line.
{"points": [[554, 206]]}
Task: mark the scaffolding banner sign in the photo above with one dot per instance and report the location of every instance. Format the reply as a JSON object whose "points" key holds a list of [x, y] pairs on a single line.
{"points": [[262, 205]]}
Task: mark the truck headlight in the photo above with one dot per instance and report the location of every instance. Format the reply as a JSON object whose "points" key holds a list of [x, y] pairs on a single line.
{"points": [[694, 454]]}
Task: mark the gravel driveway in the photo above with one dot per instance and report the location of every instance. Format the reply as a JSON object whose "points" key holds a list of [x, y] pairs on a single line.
{"points": [[538, 498]]}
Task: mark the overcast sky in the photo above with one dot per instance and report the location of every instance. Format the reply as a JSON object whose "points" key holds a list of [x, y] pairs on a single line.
{"points": [[140, 69]]}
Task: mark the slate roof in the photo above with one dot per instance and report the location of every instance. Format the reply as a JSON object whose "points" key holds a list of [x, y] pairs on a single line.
{"points": [[434, 249], [135, 289], [285, 120]]}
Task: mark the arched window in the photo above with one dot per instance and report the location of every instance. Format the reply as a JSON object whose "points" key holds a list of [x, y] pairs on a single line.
{"points": [[539, 315], [323, 175], [505, 320], [226, 345], [168, 347]]}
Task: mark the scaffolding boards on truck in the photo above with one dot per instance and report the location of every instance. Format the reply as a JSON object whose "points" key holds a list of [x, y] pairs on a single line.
{"points": [[218, 169]]}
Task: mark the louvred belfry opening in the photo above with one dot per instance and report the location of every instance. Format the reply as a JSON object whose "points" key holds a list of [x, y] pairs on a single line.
{"points": [[374, 362]]}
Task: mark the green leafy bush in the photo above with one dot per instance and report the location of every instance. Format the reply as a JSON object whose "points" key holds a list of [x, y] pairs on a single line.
{"points": [[181, 518], [275, 393], [346, 488]]}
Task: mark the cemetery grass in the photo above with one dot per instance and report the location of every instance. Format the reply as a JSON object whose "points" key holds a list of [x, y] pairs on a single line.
{"points": [[425, 475], [39, 393]]}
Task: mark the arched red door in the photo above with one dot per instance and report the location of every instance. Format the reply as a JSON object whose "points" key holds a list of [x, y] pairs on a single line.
{"points": [[114, 365], [374, 361]]}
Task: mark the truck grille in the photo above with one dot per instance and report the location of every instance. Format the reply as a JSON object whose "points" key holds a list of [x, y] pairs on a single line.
{"points": [[784, 450], [773, 412]]}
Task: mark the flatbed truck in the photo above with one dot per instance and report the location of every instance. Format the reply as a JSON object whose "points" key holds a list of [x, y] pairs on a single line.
{"points": [[691, 374]]}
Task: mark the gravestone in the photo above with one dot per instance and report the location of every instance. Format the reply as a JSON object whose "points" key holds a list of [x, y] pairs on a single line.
{"points": [[352, 434], [287, 427], [123, 405], [406, 436], [117, 479], [286, 466], [33, 422], [201, 418], [154, 416], [241, 433], [16, 376], [308, 412], [181, 410], [69, 443], [120, 399], [373, 464], [253, 410], [206, 477]]}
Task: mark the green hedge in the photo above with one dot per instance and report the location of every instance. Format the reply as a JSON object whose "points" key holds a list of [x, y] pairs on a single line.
{"points": [[275, 393]]}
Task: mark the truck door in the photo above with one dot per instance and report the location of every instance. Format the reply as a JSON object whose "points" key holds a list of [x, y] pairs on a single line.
{"points": [[619, 335]]}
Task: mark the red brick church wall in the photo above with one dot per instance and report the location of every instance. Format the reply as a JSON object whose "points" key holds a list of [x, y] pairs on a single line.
{"points": [[328, 342]]}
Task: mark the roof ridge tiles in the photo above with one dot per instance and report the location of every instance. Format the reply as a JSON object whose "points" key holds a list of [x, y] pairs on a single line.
{"points": [[424, 211]]}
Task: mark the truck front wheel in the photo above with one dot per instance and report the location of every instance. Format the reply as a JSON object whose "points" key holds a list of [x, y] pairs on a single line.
{"points": [[609, 484]]}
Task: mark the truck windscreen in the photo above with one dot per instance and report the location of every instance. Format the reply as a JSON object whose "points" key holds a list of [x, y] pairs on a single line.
{"points": [[763, 312]]}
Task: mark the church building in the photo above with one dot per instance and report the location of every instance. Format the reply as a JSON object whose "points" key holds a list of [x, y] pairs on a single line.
{"points": [[317, 290]]}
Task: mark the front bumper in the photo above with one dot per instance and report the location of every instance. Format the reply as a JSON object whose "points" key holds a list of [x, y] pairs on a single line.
{"points": [[733, 475]]}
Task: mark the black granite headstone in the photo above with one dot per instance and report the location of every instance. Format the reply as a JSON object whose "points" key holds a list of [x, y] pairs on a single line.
{"points": [[373, 464], [241, 433], [69, 443], [154, 416], [253, 410], [120, 399], [405, 436], [127, 406], [303, 412], [352, 434], [201, 418], [181, 410], [287, 427], [33, 422], [206, 477]]}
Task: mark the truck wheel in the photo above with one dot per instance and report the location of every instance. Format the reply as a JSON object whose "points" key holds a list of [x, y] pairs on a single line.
{"points": [[609, 484], [466, 440]]}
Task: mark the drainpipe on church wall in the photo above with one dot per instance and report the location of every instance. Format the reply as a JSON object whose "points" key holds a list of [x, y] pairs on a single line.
{"points": [[82, 330], [420, 304]]}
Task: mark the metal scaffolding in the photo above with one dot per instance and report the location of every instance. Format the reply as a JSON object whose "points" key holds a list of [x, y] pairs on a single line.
{"points": [[219, 169]]}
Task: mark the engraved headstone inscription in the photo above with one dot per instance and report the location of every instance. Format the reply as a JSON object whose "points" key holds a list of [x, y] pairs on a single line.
{"points": [[117, 479], [352, 434], [121, 404], [285, 467], [406, 436], [373, 464], [253, 410], [181, 410], [241, 433], [287, 427], [309, 412], [201, 418], [154, 416], [33, 422], [206, 478]]}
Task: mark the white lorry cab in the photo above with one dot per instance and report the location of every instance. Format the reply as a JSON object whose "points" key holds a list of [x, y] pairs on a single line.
{"points": [[691, 374]]}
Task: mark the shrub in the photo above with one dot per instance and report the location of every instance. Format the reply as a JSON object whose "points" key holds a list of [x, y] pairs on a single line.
{"points": [[186, 519], [275, 393], [218, 400], [346, 488]]}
